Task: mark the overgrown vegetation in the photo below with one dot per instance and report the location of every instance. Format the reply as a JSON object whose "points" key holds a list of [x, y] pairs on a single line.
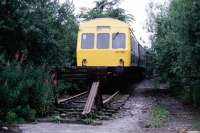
{"points": [[35, 36], [176, 44], [159, 116], [42, 31], [24, 91], [89, 119]]}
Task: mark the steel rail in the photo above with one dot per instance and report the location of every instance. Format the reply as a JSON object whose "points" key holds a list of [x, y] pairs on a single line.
{"points": [[110, 98], [70, 98]]}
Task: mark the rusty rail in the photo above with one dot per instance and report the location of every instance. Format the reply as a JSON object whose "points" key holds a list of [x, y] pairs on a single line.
{"points": [[110, 98], [70, 98]]}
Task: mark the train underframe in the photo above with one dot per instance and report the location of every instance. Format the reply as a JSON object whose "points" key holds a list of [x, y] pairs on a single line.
{"points": [[100, 73], [97, 73]]}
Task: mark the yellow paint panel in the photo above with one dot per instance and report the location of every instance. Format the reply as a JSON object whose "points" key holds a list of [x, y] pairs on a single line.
{"points": [[104, 57]]}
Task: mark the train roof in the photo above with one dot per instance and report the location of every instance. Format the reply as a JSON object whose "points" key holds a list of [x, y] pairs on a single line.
{"points": [[104, 22]]}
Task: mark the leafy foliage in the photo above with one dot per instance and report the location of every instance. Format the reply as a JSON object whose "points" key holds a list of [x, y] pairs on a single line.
{"points": [[40, 29], [176, 44], [34, 36], [106, 8], [24, 91]]}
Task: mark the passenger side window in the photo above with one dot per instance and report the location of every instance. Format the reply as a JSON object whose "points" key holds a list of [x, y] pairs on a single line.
{"points": [[118, 41], [133, 45], [87, 41], [103, 40]]}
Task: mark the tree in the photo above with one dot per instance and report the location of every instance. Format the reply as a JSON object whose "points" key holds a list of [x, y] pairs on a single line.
{"points": [[106, 8], [43, 30], [34, 36], [176, 44]]}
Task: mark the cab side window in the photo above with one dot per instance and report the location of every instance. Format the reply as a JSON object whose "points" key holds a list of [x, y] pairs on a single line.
{"points": [[118, 41], [87, 41]]}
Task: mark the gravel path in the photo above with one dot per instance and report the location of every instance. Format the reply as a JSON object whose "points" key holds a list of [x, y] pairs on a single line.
{"points": [[134, 117]]}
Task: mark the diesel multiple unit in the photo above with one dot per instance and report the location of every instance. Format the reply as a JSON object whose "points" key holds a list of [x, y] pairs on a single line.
{"points": [[108, 43]]}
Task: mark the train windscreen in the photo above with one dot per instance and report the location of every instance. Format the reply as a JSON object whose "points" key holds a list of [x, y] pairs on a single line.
{"points": [[87, 41], [103, 40], [118, 41]]}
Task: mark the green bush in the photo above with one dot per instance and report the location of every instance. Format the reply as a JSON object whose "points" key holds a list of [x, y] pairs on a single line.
{"points": [[11, 117], [176, 44], [26, 91], [37, 32]]}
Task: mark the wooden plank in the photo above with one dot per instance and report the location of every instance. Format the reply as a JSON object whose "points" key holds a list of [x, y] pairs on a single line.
{"points": [[110, 98], [70, 98], [91, 98]]}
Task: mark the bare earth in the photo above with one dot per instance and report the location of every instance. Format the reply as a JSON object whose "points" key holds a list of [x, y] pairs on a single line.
{"points": [[134, 117]]}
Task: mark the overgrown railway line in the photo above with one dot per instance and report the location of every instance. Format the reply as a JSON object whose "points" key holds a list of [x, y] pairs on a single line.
{"points": [[94, 102], [74, 108]]}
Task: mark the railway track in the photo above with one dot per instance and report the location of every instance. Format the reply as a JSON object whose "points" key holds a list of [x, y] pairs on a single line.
{"points": [[89, 104], [72, 108]]}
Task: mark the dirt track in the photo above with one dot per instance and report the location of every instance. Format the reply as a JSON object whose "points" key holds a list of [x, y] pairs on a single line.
{"points": [[134, 117]]}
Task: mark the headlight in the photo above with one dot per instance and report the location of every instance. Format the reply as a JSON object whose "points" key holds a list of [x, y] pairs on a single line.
{"points": [[121, 62], [84, 62]]}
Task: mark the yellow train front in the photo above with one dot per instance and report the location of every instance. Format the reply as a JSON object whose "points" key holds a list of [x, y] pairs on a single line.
{"points": [[108, 44]]}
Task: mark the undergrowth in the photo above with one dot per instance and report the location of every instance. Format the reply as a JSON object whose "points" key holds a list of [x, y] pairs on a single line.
{"points": [[25, 92], [89, 119], [159, 116]]}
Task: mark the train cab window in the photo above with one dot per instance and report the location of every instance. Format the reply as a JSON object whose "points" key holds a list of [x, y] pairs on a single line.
{"points": [[87, 41], [103, 40], [118, 41]]}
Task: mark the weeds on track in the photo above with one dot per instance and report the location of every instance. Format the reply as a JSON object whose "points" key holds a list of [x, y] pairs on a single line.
{"points": [[159, 116]]}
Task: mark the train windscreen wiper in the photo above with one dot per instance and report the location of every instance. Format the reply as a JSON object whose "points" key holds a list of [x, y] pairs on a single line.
{"points": [[115, 35]]}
